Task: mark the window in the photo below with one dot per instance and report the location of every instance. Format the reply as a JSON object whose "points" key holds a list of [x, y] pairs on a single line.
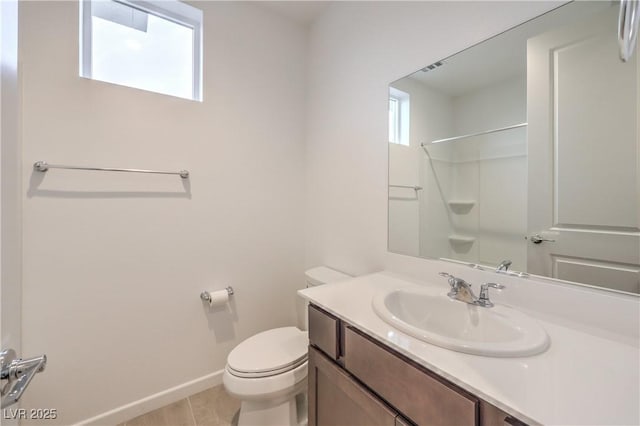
{"points": [[398, 117], [149, 45], [394, 120]]}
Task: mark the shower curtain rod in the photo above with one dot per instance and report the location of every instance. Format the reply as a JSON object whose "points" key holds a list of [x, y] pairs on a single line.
{"points": [[470, 135], [43, 166]]}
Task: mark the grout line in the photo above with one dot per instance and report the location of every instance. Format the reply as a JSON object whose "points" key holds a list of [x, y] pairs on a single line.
{"points": [[193, 417]]}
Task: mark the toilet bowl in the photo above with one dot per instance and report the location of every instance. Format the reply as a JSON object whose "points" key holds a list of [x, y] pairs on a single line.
{"points": [[268, 371]]}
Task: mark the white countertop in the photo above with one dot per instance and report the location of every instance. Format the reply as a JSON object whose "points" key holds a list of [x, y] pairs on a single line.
{"points": [[584, 378]]}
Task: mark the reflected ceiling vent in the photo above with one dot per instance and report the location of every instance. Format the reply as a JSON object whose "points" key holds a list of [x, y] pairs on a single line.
{"points": [[432, 66]]}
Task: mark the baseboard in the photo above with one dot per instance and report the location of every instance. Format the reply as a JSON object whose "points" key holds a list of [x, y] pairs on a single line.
{"points": [[153, 402]]}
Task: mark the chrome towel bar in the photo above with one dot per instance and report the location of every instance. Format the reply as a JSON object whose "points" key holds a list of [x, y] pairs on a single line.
{"points": [[43, 166], [414, 187]]}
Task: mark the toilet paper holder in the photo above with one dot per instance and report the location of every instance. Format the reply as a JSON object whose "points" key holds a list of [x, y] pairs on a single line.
{"points": [[207, 297]]}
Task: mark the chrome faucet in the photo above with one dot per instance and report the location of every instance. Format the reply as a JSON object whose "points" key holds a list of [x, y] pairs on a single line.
{"points": [[461, 290], [504, 266], [483, 300]]}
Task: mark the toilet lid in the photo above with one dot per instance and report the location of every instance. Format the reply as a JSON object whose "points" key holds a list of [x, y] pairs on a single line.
{"points": [[270, 352]]}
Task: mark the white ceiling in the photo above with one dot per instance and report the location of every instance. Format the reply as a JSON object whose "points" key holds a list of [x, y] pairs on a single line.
{"points": [[303, 12], [502, 57]]}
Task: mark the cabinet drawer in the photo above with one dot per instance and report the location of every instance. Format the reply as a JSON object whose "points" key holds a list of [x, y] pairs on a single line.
{"points": [[324, 331], [492, 416], [418, 395], [336, 399]]}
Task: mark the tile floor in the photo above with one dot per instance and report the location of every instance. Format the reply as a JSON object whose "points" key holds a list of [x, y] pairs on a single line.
{"points": [[212, 407]]}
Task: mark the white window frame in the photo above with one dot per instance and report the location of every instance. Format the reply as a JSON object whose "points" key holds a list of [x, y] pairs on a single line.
{"points": [[402, 122], [394, 120], [172, 10]]}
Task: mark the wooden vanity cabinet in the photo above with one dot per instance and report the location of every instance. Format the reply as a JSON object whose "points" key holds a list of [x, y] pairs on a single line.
{"points": [[340, 400], [355, 380]]}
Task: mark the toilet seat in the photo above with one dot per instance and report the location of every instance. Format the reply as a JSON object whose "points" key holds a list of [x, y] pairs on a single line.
{"points": [[269, 373], [272, 388], [269, 353]]}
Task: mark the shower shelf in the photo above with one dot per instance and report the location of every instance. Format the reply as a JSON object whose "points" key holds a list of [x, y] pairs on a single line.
{"points": [[461, 206], [461, 239]]}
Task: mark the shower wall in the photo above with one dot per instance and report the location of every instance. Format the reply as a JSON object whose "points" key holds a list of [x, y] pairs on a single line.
{"points": [[473, 203], [114, 263], [492, 171], [483, 178]]}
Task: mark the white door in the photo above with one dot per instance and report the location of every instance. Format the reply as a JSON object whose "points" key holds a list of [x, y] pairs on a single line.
{"points": [[20, 371], [583, 156], [10, 265]]}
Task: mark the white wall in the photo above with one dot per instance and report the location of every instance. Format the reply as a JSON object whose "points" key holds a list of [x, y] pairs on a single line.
{"points": [[356, 50], [404, 169], [114, 263], [419, 223]]}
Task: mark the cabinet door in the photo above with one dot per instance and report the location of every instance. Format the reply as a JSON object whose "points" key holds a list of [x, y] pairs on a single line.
{"points": [[336, 399]]}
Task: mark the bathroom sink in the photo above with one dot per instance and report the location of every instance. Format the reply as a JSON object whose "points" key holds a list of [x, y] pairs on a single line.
{"points": [[431, 316]]}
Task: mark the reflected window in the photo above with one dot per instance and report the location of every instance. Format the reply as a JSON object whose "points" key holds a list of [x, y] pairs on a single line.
{"points": [[398, 117]]}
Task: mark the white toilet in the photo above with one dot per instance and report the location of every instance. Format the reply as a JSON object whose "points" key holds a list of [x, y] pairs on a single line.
{"points": [[268, 371]]}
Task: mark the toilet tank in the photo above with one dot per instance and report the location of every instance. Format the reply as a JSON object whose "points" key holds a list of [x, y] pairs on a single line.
{"points": [[316, 276], [323, 275]]}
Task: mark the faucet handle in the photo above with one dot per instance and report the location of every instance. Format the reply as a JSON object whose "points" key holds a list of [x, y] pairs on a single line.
{"points": [[493, 285], [454, 282], [484, 300], [504, 266], [450, 278]]}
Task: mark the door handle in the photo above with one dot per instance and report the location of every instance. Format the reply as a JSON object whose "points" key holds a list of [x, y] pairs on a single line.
{"points": [[17, 373], [537, 239]]}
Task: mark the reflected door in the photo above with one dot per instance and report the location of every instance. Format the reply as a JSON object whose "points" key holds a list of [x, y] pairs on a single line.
{"points": [[583, 156]]}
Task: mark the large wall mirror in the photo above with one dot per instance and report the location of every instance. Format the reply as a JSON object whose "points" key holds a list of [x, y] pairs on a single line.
{"points": [[525, 148]]}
